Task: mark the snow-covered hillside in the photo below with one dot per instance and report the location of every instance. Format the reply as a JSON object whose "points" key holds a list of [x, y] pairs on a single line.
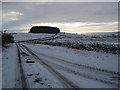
{"points": [[29, 36], [103, 34], [97, 43]]}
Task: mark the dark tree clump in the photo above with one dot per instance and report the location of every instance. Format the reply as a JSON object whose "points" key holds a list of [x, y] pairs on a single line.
{"points": [[44, 29], [7, 38]]}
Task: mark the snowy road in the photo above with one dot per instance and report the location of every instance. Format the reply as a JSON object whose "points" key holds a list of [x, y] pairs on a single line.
{"points": [[63, 80], [65, 74]]}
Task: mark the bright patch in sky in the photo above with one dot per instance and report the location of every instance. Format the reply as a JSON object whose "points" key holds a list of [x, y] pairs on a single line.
{"points": [[77, 27]]}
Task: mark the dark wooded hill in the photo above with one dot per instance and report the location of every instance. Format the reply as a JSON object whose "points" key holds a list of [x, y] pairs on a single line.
{"points": [[44, 29]]}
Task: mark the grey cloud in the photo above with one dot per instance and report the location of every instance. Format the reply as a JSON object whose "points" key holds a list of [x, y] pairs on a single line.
{"points": [[61, 12]]}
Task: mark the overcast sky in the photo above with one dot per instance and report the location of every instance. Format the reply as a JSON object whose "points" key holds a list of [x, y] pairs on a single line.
{"points": [[68, 16]]}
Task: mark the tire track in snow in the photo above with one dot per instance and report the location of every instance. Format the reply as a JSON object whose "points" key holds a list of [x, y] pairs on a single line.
{"points": [[57, 66], [24, 84], [64, 80], [79, 73], [80, 65]]}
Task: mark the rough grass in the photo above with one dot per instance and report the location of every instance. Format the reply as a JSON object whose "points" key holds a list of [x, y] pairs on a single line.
{"points": [[89, 47]]}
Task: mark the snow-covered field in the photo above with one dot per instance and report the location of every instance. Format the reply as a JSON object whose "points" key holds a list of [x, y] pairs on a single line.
{"points": [[105, 43], [57, 66], [29, 36], [75, 38]]}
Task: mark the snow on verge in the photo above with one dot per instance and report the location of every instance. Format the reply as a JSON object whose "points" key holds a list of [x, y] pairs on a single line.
{"points": [[10, 71]]}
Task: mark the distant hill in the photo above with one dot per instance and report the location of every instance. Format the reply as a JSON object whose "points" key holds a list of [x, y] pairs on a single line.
{"points": [[44, 29], [109, 34]]}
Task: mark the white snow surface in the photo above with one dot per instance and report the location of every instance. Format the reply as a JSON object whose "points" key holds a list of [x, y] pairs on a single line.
{"points": [[89, 58], [29, 36], [45, 77], [68, 37], [57, 57], [76, 38], [52, 56], [10, 69]]}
